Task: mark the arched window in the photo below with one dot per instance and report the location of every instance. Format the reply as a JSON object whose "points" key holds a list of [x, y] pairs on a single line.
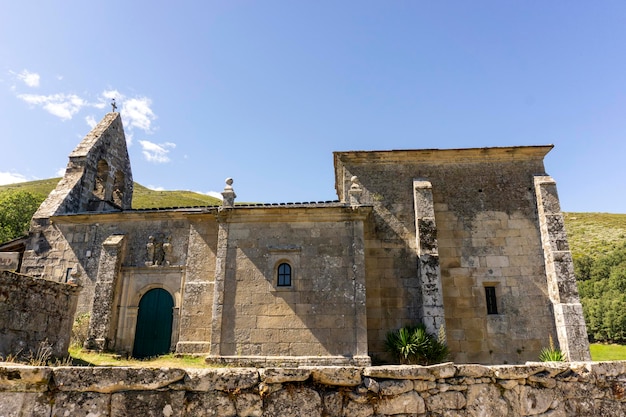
{"points": [[284, 275]]}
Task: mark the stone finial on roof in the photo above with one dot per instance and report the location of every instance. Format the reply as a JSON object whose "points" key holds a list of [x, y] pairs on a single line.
{"points": [[355, 192], [113, 106], [228, 194]]}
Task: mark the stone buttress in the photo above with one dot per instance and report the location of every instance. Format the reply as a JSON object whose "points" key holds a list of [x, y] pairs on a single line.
{"points": [[568, 312]]}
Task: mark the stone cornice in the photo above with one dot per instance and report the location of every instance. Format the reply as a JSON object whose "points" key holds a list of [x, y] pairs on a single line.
{"points": [[435, 156], [445, 155], [238, 214]]}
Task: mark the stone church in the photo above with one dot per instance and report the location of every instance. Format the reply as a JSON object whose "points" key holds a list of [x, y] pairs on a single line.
{"points": [[470, 242]]}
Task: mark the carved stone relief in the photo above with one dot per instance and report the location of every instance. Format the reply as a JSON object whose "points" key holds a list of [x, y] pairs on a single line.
{"points": [[159, 250]]}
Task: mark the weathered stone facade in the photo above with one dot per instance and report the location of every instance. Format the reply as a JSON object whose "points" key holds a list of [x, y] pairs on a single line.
{"points": [[416, 235], [447, 224], [575, 389], [36, 316]]}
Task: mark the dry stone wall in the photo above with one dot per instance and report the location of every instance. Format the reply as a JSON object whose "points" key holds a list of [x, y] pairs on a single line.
{"points": [[35, 314], [535, 389]]}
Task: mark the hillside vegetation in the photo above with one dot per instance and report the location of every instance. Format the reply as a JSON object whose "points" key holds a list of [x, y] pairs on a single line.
{"points": [[597, 242], [146, 198], [143, 198], [595, 234]]}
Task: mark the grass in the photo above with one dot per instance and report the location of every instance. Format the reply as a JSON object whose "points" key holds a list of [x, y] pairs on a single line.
{"points": [[599, 352], [41, 187], [602, 352], [109, 359], [146, 198], [594, 234]]}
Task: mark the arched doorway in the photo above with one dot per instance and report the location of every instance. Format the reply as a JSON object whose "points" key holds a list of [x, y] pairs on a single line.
{"points": [[154, 324]]}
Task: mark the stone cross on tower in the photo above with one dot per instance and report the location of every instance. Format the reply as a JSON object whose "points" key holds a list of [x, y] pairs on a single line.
{"points": [[113, 106]]}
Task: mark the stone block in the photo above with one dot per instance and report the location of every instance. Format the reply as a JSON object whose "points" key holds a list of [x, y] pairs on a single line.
{"points": [[149, 404], [336, 375], [395, 387], [107, 380], [295, 401], [445, 401], [220, 379], [14, 404], [408, 403], [80, 403], [282, 375]]}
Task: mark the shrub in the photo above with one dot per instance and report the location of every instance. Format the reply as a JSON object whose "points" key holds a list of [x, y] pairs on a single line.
{"points": [[551, 354], [80, 328], [414, 345]]}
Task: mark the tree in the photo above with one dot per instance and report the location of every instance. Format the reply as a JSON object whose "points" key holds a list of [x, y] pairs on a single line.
{"points": [[16, 210], [602, 288]]}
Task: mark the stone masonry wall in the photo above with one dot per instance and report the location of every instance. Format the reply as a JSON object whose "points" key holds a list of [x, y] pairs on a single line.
{"points": [[580, 389], [322, 312], [35, 313], [198, 290], [487, 234], [75, 242], [84, 186]]}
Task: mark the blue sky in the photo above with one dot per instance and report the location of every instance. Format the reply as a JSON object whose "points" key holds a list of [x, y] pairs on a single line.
{"points": [[265, 91]]}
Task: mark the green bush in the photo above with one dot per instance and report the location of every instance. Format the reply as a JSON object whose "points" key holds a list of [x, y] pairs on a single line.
{"points": [[414, 345], [551, 354], [80, 328]]}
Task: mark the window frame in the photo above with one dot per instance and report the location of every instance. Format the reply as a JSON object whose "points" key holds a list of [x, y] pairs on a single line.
{"points": [[284, 279], [491, 299], [277, 255]]}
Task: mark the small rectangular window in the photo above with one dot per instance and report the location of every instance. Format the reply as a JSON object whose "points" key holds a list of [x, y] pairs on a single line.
{"points": [[68, 274], [492, 303], [284, 275]]}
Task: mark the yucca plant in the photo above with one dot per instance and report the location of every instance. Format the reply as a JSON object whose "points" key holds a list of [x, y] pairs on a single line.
{"points": [[551, 354], [414, 345]]}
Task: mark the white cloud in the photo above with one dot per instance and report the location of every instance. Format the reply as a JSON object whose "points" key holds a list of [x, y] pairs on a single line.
{"points": [[155, 188], [91, 121], [112, 94], [136, 112], [129, 136], [31, 79], [156, 152], [11, 178], [64, 106], [215, 194], [107, 96], [60, 172]]}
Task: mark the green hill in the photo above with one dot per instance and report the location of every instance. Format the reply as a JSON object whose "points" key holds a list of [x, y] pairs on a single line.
{"points": [[143, 197], [146, 198], [595, 234], [39, 188]]}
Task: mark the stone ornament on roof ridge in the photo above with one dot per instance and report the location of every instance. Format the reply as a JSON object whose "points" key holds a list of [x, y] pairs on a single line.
{"points": [[228, 194]]}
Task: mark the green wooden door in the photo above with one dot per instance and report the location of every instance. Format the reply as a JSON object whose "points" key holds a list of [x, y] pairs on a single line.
{"points": [[154, 324]]}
